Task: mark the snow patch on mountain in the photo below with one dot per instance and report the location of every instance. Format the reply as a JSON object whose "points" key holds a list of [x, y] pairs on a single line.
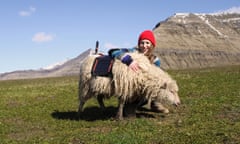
{"points": [[54, 65], [202, 17]]}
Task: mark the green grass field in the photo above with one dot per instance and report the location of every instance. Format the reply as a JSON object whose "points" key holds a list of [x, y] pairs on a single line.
{"points": [[45, 111]]}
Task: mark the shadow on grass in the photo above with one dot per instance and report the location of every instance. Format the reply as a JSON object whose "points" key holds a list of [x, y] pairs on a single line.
{"points": [[89, 114], [95, 113]]}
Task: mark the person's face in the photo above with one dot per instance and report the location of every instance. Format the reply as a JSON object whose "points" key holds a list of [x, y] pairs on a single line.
{"points": [[145, 46]]}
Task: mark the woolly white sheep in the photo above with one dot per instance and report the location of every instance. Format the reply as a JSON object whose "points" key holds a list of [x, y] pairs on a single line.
{"points": [[149, 83]]}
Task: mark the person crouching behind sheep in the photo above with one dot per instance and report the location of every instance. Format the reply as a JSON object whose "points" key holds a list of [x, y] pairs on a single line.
{"points": [[146, 45]]}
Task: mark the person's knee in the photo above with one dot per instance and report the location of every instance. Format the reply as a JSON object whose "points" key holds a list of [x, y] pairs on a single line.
{"points": [[158, 107]]}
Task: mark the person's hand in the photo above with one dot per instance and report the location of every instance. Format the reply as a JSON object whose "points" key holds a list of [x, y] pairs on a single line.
{"points": [[134, 66], [146, 51]]}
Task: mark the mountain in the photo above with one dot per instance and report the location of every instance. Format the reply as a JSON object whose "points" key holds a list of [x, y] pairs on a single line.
{"points": [[184, 40], [70, 67], [187, 40]]}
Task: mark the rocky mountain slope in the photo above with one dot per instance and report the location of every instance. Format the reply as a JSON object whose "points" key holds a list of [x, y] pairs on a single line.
{"points": [[183, 41], [188, 40]]}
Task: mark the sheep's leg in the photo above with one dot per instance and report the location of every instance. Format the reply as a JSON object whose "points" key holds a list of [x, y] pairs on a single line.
{"points": [[80, 108], [81, 95], [82, 101], [149, 102], [100, 101], [119, 115]]}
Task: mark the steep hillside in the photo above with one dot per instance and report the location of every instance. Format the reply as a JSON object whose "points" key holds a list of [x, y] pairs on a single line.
{"points": [[198, 40]]}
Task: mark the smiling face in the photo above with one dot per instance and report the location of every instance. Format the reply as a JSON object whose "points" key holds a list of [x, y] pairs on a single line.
{"points": [[145, 46]]}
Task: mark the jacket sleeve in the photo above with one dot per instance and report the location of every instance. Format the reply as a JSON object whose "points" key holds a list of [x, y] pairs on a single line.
{"points": [[122, 54]]}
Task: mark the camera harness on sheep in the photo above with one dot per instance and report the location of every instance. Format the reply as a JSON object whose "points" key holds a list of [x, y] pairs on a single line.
{"points": [[102, 65]]}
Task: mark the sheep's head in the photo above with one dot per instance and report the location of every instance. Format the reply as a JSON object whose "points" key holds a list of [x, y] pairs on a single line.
{"points": [[168, 92]]}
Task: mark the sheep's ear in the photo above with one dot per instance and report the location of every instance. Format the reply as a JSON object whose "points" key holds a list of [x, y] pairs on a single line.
{"points": [[164, 86]]}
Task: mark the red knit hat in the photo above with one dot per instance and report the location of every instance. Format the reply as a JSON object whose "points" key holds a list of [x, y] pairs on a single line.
{"points": [[147, 34]]}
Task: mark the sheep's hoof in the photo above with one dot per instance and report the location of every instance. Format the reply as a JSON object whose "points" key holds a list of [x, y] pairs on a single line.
{"points": [[118, 117]]}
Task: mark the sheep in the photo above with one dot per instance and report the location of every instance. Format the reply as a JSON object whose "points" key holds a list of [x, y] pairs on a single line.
{"points": [[149, 83]]}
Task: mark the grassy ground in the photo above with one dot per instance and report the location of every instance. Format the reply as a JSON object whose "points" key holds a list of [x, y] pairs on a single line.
{"points": [[44, 111]]}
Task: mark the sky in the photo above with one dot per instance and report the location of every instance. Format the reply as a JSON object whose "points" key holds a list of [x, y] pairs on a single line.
{"points": [[37, 33]]}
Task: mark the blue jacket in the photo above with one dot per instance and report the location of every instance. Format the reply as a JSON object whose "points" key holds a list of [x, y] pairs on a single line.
{"points": [[122, 54]]}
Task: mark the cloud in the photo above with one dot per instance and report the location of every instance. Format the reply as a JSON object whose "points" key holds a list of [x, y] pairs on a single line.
{"points": [[233, 10], [28, 12], [42, 37], [230, 10]]}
